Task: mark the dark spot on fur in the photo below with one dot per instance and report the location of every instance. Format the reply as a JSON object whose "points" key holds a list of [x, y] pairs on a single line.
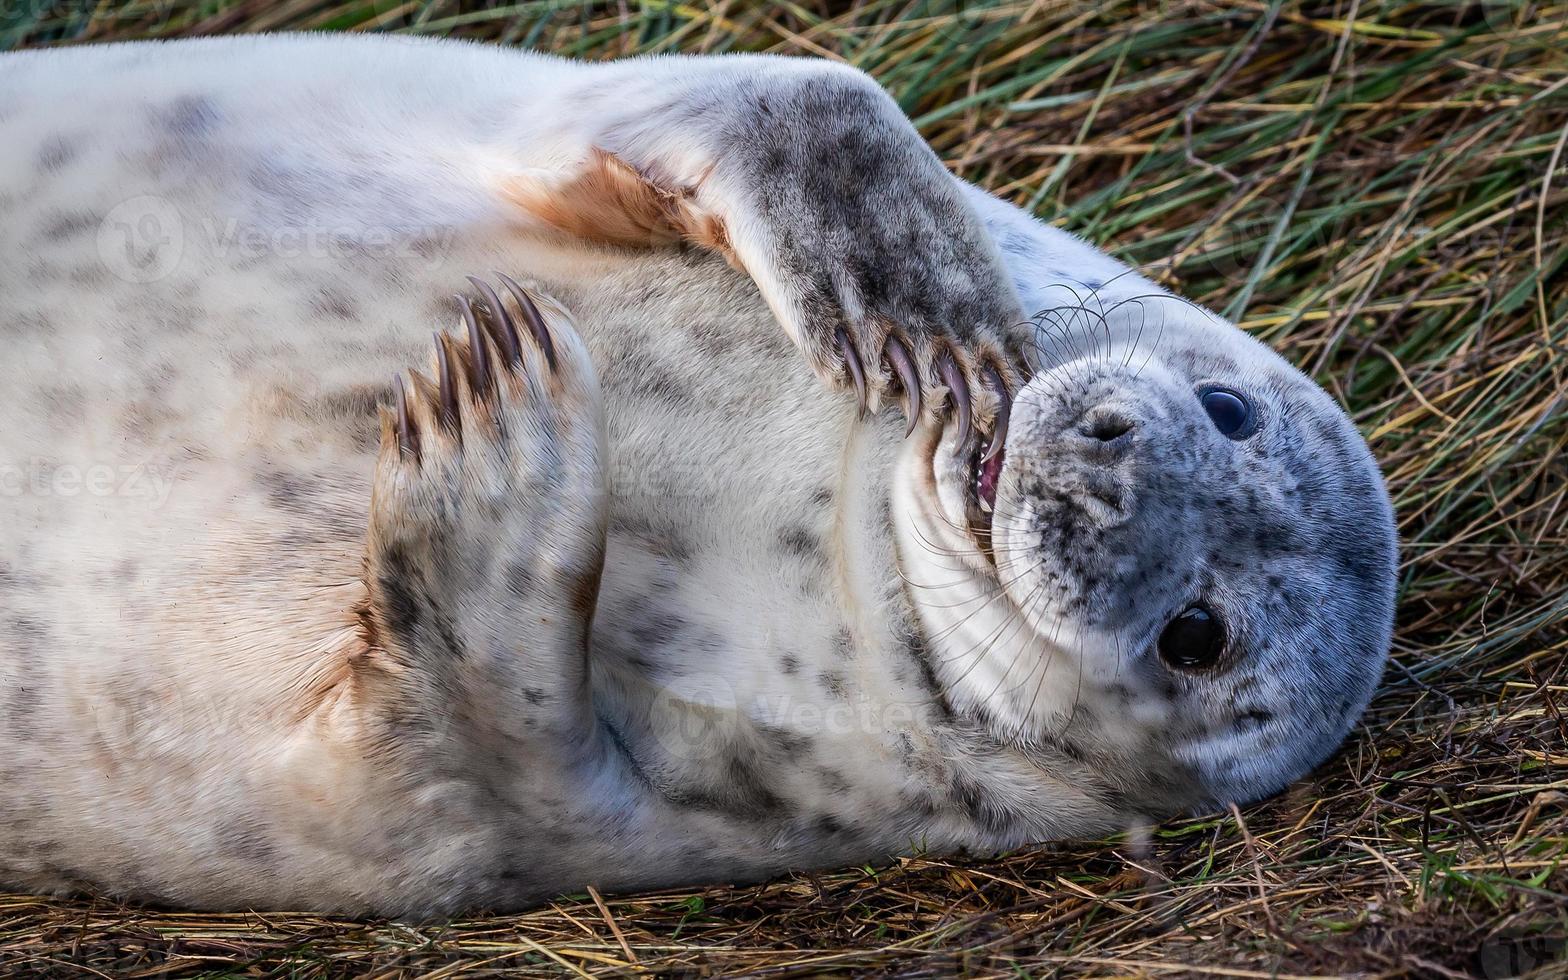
{"points": [[740, 785], [288, 492], [654, 626], [26, 638], [64, 225], [333, 304], [427, 246], [520, 578], [844, 643], [800, 542], [585, 593], [350, 410], [644, 371], [189, 117], [64, 403], [56, 153], [27, 322], [789, 663], [1253, 718], [88, 273], [750, 788], [970, 798], [399, 595], [355, 401], [834, 781], [1066, 746], [246, 841], [827, 825], [451, 645], [665, 540], [833, 683], [27, 633], [914, 648], [789, 744]]}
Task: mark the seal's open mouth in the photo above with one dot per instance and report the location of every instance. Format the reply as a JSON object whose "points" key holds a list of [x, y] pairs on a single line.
{"points": [[984, 475]]}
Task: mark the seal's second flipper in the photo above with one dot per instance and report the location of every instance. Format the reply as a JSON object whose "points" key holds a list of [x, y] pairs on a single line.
{"points": [[808, 177], [487, 522]]}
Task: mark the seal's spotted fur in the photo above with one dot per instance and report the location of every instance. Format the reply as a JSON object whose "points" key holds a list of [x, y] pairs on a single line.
{"points": [[609, 589]]}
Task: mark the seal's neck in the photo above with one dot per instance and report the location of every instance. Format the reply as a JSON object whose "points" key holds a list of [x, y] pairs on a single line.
{"points": [[999, 659], [985, 657]]}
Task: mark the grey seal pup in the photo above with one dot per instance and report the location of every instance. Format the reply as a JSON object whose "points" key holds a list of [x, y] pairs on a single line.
{"points": [[736, 520]]}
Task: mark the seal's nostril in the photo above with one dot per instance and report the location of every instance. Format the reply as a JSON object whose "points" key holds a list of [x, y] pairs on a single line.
{"points": [[1107, 427]]}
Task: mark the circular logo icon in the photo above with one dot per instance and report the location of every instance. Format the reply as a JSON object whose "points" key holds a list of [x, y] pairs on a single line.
{"points": [[141, 239], [695, 718]]}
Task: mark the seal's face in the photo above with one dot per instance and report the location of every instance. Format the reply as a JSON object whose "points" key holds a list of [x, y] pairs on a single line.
{"points": [[1196, 557]]}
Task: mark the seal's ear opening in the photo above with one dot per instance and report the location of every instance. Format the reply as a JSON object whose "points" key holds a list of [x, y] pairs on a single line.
{"points": [[607, 200]]}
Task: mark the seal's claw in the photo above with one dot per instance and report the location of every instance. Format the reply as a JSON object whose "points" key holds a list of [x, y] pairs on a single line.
{"points": [[407, 438], [992, 377], [857, 372], [481, 373], [447, 402], [899, 360], [531, 314], [953, 377], [498, 468], [479, 363], [505, 328]]}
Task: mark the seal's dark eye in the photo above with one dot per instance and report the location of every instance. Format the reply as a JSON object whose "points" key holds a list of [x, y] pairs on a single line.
{"points": [[1231, 412], [1194, 640]]}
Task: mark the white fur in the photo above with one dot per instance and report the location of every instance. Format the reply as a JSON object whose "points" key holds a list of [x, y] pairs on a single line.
{"points": [[182, 633]]}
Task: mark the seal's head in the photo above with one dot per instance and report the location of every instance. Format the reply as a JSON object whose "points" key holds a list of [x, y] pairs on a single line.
{"points": [[1185, 561]]}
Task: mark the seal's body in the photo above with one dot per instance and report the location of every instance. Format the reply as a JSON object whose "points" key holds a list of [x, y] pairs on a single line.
{"points": [[611, 589]]}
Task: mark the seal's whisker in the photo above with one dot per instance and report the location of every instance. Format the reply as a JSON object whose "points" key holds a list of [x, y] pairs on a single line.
{"points": [[997, 590], [978, 650], [1054, 330], [1054, 326], [948, 553], [1067, 321], [1078, 687], [1012, 618], [937, 550], [1059, 327], [987, 642], [1018, 619], [1143, 321], [1152, 349], [1045, 675]]}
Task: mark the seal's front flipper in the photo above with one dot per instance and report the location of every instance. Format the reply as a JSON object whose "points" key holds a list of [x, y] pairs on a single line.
{"points": [[808, 177], [487, 520]]}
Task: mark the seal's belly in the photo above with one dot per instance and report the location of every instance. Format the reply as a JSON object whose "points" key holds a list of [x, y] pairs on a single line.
{"points": [[195, 357], [200, 316], [188, 483]]}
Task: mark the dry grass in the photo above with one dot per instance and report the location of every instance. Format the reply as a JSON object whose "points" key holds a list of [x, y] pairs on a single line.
{"points": [[1376, 187]]}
